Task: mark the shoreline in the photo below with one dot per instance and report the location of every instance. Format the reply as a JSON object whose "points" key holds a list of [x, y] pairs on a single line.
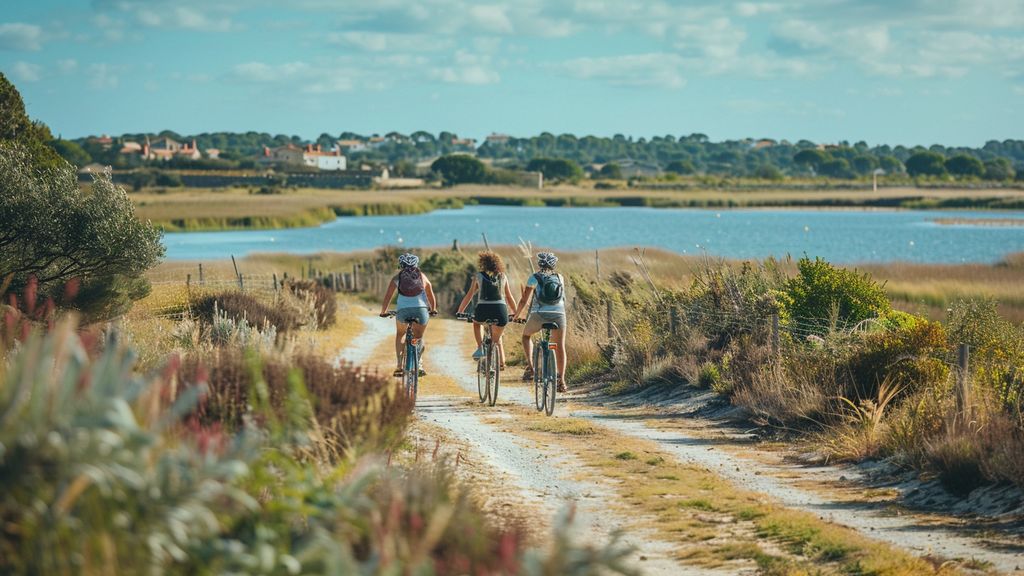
{"points": [[315, 217]]}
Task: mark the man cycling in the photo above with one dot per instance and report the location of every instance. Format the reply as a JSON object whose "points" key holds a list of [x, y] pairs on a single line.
{"points": [[545, 291], [415, 302]]}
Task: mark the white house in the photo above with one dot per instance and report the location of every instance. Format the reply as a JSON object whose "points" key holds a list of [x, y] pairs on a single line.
{"points": [[312, 155]]}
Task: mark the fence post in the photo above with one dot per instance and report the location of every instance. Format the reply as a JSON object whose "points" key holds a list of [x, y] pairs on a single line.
{"points": [[241, 283], [609, 318], [201, 274], [355, 277], [674, 321], [775, 333], [597, 264], [275, 281], [235, 264], [188, 282], [963, 379]]}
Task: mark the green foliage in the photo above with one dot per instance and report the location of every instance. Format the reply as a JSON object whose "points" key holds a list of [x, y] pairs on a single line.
{"points": [[926, 164], [18, 132], [56, 232], [556, 169], [907, 358], [71, 151], [709, 377], [681, 167], [999, 169], [811, 157], [996, 348], [460, 169], [611, 171], [448, 271], [768, 172], [964, 165], [822, 294]]}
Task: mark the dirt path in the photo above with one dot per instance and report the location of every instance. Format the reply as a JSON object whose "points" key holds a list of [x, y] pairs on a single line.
{"points": [[539, 477]]}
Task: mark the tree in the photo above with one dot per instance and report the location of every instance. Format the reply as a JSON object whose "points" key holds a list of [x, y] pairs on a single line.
{"points": [[460, 169], [768, 172], [836, 168], [56, 233], [926, 164], [612, 171], [556, 169], [70, 151], [999, 169], [964, 165], [812, 158], [864, 164], [17, 130], [681, 167], [890, 164]]}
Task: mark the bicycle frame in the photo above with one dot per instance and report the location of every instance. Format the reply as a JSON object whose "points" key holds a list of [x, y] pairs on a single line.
{"points": [[545, 375], [488, 371]]}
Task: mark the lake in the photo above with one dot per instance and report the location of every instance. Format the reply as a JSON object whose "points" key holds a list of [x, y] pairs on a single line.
{"points": [[844, 236]]}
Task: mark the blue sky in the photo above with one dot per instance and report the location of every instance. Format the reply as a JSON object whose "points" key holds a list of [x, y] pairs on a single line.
{"points": [[884, 71]]}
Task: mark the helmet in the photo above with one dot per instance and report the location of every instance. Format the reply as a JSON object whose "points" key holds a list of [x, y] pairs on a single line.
{"points": [[547, 260], [408, 260]]}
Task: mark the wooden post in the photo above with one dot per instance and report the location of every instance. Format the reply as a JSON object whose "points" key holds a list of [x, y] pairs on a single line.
{"points": [[673, 321], [334, 281], [486, 245], [455, 245], [200, 273], [275, 281], [235, 264], [355, 277], [964, 380], [775, 333], [241, 283], [188, 282], [609, 319], [597, 265]]}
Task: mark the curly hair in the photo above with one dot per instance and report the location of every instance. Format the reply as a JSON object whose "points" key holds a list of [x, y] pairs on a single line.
{"points": [[490, 263]]}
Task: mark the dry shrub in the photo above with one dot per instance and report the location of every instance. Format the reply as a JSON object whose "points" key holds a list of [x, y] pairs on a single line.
{"points": [[317, 301], [799, 391], [352, 408], [1003, 442], [240, 306], [920, 416], [909, 357]]}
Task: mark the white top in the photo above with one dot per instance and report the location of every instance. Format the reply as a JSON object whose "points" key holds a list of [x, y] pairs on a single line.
{"points": [[536, 306]]}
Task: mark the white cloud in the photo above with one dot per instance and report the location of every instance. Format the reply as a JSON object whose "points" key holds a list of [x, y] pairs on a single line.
{"points": [[103, 76], [331, 76], [26, 72], [750, 9], [20, 37], [67, 66], [662, 70], [173, 14], [467, 68]]}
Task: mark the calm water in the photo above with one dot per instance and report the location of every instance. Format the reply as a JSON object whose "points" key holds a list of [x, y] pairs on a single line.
{"points": [[839, 236]]}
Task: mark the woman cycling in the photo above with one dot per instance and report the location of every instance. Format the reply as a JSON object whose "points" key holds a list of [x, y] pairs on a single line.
{"points": [[416, 302], [494, 300], [545, 290]]}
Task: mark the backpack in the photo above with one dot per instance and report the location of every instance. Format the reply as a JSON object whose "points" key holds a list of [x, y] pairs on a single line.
{"points": [[549, 289], [490, 288], [410, 281]]}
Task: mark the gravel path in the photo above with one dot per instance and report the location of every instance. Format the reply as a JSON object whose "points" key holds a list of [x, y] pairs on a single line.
{"points": [[548, 480]]}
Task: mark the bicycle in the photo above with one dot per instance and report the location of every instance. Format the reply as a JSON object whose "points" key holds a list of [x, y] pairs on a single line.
{"points": [[411, 357], [488, 367], [545, 371]]}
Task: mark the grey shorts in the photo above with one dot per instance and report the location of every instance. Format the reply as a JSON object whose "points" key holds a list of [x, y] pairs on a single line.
{"points": [[536, 320], [404, 315]]}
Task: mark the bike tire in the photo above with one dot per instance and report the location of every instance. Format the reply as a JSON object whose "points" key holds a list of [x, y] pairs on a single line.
{"points": [[538, 379], [481, 378], [550, 382], [412, 372], [493, 374]]}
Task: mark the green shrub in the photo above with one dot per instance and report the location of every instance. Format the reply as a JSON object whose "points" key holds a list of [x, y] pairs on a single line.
{"points": [[910, 359], [709, 377], [822, 295], [996, 351]]}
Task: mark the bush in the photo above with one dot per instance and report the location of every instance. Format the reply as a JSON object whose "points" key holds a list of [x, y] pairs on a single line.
{"points": [[909, 359], [709, 377], [320, 301], [239, 306], [460, 169], [823, 297], [56, 232], [997, 351]]}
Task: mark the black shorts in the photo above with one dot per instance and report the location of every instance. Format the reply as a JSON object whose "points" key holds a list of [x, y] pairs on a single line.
{"points": [[493, 311]]}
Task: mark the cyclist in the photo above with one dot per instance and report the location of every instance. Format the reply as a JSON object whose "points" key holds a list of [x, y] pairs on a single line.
{"points": [[494, 299], [415, 302], [545, 291]]}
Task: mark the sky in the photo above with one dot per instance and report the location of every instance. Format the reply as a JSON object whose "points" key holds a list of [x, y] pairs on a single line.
{"points": [[883, 71]]}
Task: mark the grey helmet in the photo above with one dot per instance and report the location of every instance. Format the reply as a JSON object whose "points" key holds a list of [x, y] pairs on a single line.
{"points": [[408, 260], [547, 260]]}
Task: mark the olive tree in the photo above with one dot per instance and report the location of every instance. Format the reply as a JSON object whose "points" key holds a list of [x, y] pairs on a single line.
{"points": [[56, 232]]}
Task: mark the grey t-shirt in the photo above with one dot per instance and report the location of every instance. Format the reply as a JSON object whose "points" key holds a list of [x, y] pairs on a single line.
{"points": [[536, 306]]}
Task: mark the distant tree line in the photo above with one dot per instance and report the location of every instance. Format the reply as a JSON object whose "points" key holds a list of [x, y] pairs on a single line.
{"points": [[683, 155]]}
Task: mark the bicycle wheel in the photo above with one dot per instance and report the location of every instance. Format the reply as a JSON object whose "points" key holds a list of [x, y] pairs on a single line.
{"points": [[538, 379], [493, 373], [550, 381], [481, 376], [412, 372]]}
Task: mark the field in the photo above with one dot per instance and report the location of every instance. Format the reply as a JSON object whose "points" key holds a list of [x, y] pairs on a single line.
{"points": [[233, 208]]}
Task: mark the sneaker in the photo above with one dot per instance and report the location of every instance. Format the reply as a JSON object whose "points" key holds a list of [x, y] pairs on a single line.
{"points": [[478, 354]]}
